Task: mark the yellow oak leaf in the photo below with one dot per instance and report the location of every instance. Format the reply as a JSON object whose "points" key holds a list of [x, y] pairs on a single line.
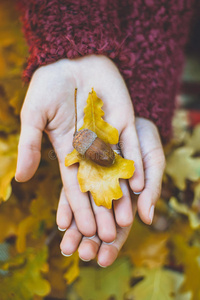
{"points": [[193, 141], [102, 182], [8, 225], [72, 266], [181, 165], [93, 120], [188, 256], [151, 250], [12, 47], [41, 213], [8, 122], [16, 100], [13, 52], [2, 64], [157, 284], [27, 279], [182, 208], [196, 201], [180, 124], [8, 160]]}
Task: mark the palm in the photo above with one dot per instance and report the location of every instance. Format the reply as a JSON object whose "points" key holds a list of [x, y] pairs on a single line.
{"points": [[57, 83]]}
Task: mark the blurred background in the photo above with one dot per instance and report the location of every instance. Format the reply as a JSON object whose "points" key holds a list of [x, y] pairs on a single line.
{"points": [[157, 262]]}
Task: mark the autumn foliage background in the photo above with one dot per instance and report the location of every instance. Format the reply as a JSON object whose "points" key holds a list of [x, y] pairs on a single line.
{"points": [[157, 262]]}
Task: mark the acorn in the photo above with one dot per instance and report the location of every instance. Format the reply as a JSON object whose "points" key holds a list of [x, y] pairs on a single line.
{"points": [[87, 143]]}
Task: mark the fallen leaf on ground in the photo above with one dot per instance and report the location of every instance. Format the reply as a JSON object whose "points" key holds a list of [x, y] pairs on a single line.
{"points": [[157, 284], [9, 225], [193, 141], [181, 208], [101, 284], [181, 165], [72, 267], [8, 161], [180, 125], [188, 256], [41, 215], [145, 247], [26, 279], [196, 201]]}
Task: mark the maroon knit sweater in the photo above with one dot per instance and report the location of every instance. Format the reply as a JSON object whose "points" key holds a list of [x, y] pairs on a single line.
{"points": [[145, 39]]}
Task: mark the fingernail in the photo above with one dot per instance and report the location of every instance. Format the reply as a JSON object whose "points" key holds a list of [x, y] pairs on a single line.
{"points": [[101, 265], [16, 179], [90, 237], [67, 255], [109, 243], [61, 229], [151, 213], [137, 193], [85, 260]]}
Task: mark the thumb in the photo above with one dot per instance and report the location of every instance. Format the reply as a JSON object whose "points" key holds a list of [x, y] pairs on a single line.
{"points": [[29, 148]]}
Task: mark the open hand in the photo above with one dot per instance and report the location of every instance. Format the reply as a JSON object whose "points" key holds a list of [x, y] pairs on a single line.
{"points": [[49, 107]]}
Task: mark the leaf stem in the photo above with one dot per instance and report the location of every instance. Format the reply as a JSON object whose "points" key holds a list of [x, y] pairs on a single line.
{"points": [[75, 105]]}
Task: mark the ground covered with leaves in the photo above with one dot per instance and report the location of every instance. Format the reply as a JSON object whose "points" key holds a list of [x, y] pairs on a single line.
{"points": [[157, 262]]}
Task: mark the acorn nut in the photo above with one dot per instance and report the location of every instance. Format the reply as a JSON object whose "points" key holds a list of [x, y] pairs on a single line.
{"points": [[89, 145]]}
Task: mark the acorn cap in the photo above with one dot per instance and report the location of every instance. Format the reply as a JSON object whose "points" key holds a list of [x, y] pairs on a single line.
{"points": [[83, 139]]}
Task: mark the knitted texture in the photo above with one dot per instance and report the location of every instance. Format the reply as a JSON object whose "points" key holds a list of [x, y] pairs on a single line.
{"points": [[145, 39]]}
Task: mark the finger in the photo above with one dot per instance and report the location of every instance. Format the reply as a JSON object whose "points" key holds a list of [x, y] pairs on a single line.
{"points": [[151, 193], [79, 202], [108, 253], [106, 227], [71, 240], [64, 213], [89, 248], [154, 164], [29, 148], [123, 207], [131, 150]]}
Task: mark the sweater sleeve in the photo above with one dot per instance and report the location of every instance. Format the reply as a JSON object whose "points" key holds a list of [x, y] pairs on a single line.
{"points": [[145, 39]]}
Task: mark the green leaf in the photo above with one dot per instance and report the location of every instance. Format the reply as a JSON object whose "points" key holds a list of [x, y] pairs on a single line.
{"points": [[158, 284], [100, 284], [24, 278], [193, 141], [192, 69]]}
